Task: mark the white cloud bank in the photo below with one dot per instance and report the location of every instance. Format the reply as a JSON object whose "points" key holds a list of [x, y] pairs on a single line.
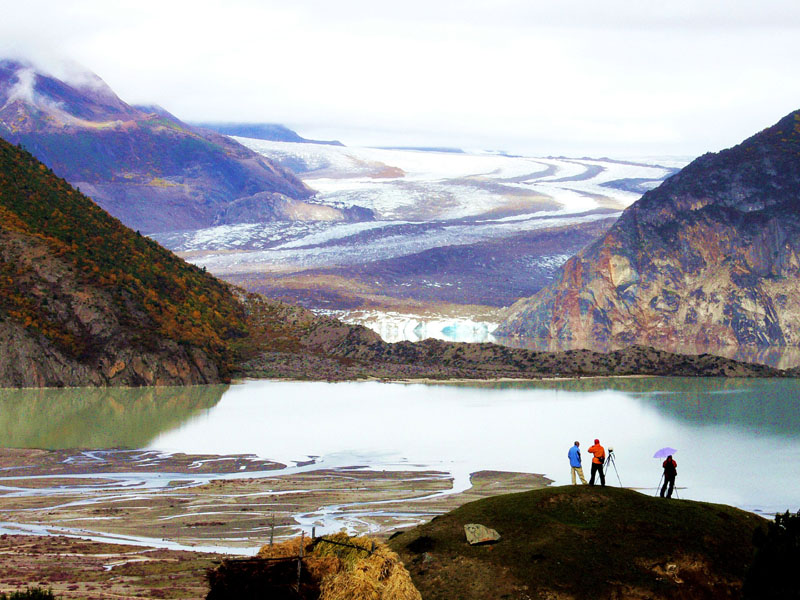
{"points": [[614, 77]]}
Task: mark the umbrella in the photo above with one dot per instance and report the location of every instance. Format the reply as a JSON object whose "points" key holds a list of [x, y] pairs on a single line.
{"points": [[664, 452]]}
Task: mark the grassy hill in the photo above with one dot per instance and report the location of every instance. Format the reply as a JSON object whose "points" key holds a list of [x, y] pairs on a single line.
{"points": [[583, 542]]}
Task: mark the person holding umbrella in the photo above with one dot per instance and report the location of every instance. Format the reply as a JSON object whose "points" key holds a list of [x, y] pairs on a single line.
{"points": [[670, 472]]}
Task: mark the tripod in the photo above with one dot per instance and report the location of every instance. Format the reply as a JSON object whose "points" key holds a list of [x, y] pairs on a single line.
{"points": [[610, 461], [674, 488]]}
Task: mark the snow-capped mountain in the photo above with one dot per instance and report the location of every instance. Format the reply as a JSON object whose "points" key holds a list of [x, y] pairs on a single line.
{"points": [[452, 230], [142, 164]]}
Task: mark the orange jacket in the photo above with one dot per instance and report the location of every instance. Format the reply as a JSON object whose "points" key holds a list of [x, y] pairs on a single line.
{"points": [[599, 452]]}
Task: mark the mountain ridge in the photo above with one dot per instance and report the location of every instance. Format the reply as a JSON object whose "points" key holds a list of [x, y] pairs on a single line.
{"points": [[709, 257], [144, 165], [86, 301]]}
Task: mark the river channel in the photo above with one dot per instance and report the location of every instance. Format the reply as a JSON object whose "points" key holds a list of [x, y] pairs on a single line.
{"points": [[737, 441]]}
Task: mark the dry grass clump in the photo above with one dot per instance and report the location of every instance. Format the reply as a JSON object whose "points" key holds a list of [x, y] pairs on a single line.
{"points": [[356, 549], [350, 585], [365, 575], [398, 585], [290, 547], [350, 568], [320, 567]]}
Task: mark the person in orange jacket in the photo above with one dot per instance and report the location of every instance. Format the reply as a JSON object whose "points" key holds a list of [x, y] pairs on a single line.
{"points": [[597, 462]]}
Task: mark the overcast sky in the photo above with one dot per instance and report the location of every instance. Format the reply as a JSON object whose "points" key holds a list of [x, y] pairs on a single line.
{"points": [[577, 77]]}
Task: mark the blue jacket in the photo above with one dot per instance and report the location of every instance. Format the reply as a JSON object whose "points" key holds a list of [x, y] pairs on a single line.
{"points": [[574, 455]]}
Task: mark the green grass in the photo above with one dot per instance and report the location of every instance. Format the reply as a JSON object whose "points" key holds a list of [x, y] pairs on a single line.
{"points": [[584, 542]]}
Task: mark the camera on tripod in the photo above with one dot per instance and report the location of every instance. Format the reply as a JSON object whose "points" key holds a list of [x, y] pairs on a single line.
{"points": [[610, 461]]}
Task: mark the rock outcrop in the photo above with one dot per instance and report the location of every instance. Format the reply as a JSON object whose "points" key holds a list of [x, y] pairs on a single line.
{"points": [[709, 258]]}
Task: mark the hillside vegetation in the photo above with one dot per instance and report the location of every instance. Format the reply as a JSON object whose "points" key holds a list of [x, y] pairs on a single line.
{"points": [[80, 286], [583, 542]]}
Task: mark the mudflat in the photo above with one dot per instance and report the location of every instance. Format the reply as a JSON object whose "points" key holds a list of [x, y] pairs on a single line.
{"points": [[142, 516], [75, 568]]}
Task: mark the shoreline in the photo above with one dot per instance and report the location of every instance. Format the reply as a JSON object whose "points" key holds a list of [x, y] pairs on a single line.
{"points": [[401, 380], [231, 504]]}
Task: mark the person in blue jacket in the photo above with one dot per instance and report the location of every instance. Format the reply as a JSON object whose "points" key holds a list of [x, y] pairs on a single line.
{"points": [[574, 456]]}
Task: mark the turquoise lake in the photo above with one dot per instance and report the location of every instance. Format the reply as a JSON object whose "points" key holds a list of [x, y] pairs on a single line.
{"points": [[738, 441]]}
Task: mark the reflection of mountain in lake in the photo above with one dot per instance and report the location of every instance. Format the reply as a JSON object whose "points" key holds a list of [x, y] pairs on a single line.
{"points": [[98, 418], [774, 411], [781, 357], [760, 406]]}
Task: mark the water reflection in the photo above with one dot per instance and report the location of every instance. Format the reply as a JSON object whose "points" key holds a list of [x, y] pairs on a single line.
{"points": [[98, 417], [781, 357], [737, 439], [759, 406]]}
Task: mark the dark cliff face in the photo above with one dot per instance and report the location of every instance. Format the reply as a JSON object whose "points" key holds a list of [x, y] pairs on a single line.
{"points": [[710, 257], [86, 301], [143, 166]]}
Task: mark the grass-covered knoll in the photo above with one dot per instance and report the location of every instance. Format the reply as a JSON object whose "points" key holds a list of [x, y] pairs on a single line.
{"points": [[583, 542], [81, 251]]}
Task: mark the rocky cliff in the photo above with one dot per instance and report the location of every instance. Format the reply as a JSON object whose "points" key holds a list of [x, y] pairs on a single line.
{"points": [[142, 164], [710, 257], [86, 301]]}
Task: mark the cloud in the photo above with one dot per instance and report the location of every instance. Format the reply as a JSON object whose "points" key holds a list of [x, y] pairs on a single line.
{"points": [[548, 77]]}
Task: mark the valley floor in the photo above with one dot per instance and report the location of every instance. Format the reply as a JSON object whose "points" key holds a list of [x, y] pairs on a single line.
{"points": [[74, 568], [124, 524]]}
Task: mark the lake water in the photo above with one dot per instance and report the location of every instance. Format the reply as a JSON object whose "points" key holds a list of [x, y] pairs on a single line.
{"points": [[738, 441]]}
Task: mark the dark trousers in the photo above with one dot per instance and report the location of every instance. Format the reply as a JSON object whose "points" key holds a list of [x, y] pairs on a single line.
{"points": [[668, 479], [597, 468]]}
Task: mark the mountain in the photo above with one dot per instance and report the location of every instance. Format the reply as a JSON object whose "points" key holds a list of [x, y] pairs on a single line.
{"points": [[263, 131], [86, 301], [709, 258], [143, 165]]}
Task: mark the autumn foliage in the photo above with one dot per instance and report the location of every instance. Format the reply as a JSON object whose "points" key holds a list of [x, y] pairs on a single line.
{"points": [[156, 293]]}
